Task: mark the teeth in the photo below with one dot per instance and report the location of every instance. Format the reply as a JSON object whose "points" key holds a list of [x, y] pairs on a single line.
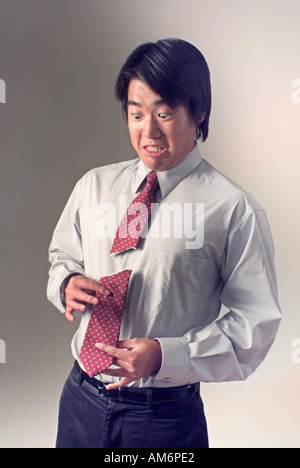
{"points": [[154, 148]]}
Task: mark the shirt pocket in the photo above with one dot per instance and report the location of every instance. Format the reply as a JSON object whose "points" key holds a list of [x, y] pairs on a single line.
{"points": [[183, 291]]}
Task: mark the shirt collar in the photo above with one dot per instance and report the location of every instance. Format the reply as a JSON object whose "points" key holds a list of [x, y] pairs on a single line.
{"points": [[168, 180]]}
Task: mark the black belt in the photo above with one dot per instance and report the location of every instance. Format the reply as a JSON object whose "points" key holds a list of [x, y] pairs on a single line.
{"points": [[143, 396]]}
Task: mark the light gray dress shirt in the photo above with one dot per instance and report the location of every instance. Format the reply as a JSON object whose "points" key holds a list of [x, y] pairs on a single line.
{"points": [[209, 244]]}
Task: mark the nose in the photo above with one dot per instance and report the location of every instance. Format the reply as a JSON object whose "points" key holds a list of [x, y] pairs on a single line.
{"points": [[151, 128]]}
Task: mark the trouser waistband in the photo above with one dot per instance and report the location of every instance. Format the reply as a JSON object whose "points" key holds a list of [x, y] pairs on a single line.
{"points": [[143, 396]]}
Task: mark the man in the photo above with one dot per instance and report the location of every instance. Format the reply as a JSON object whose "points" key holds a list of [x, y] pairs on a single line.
{"points": [[207, 243]]}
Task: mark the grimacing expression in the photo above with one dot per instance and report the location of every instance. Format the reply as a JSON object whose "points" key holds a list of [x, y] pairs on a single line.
{"points": [[162, 136]]}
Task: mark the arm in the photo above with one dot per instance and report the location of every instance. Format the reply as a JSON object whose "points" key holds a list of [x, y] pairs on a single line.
{"points": [[232, 347], [65, 252], [68, 287]]}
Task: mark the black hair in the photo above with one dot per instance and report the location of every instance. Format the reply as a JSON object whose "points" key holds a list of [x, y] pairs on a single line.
{"points": [[175, 70]]}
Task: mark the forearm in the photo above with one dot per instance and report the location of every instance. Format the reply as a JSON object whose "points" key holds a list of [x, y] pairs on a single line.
{"points": [[230, 349], [65, 251]]}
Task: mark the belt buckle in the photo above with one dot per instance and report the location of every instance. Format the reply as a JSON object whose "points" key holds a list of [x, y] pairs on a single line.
{"points": [[110, 394], [102, 389]]}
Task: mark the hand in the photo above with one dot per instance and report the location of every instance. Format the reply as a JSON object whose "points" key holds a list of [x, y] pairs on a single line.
{"points": [[136, 358], [82, 289]]}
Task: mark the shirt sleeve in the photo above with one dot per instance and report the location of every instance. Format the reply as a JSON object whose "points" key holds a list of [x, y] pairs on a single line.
{"points": [[232, 347], [65, 252]]}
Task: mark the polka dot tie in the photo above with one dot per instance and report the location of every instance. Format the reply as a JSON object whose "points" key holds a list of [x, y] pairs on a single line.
{"points": [[105, 322], [136, 217]]}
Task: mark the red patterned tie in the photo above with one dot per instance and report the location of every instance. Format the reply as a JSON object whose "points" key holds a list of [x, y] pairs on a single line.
{"points": [[136, 217], [104, 324]]}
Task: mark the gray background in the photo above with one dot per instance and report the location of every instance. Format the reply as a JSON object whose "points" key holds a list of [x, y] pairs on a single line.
{"points": [[59, 60]]}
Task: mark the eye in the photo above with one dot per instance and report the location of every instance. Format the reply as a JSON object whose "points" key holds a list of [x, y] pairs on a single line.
{"points": [[136, 116], [164, 115]]}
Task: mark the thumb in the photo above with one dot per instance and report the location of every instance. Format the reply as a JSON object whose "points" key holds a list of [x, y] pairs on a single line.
{"points": [[122, 383], [69, 314]]}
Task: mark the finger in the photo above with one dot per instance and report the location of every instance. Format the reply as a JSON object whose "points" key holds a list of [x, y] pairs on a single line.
{"points": [[122, 369], [117, 353], [126, 378], [82, 282], [72, 304], [121, 383], [69, 314], [84, 297], [127, 344], [103, 290], [93, 285]]}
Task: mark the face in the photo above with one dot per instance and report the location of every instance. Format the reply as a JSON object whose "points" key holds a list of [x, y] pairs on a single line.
{"points": [[162, 136]]}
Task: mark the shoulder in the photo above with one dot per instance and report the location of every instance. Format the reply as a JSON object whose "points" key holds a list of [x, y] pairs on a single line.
{"points": [[226, 189], [107, 178], [104, 180], [228, 200], [111, 171]]}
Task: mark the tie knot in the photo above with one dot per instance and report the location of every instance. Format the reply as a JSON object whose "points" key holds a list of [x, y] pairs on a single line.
{"points": [[152, 180]]}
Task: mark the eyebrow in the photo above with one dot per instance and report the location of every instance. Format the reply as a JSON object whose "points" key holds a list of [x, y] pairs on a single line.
{"points": [[156, 103]]}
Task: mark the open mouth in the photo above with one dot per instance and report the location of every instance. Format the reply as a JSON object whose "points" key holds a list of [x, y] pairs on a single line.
{"points": [[155, 150]]}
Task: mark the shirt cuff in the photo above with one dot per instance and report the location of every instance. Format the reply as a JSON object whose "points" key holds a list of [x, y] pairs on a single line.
{"points": [[175, 361]]}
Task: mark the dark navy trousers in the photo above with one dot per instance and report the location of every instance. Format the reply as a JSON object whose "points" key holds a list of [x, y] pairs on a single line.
{"points": [[89, 420]]}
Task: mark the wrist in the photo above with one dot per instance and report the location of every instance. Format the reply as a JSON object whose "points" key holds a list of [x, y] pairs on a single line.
{"points": [[68, 278]]}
